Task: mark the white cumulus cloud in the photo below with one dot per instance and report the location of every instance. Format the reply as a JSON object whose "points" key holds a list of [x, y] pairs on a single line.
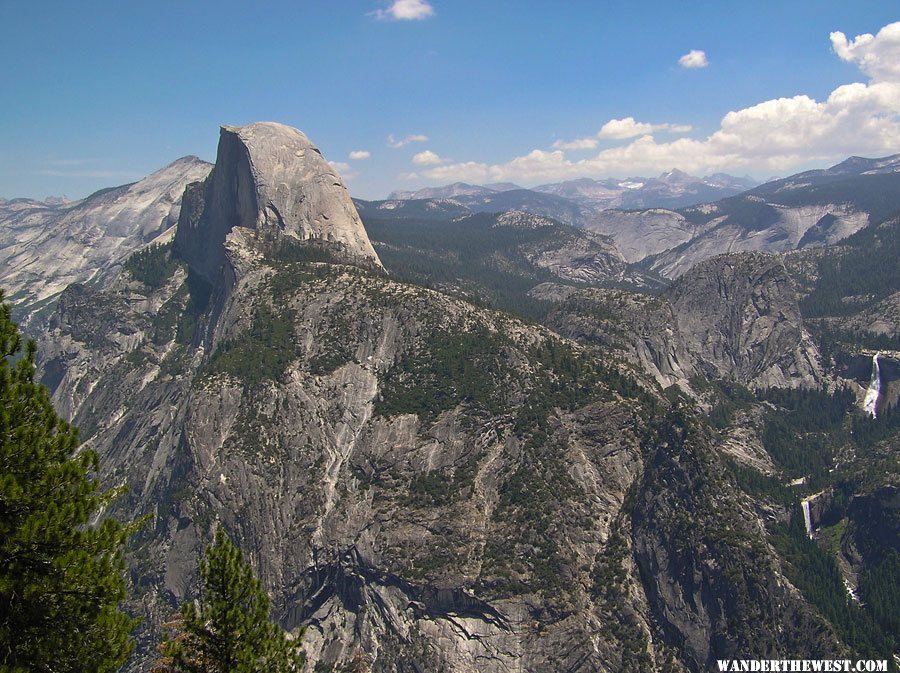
{"points": [[773, 136], [395, 143], [427, 158], [695, 58], [876, 55], [467, 171], [405, 10], [357, 155], [619, 129]]}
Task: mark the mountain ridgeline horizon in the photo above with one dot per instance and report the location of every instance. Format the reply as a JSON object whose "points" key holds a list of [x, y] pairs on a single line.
{"points": [[493, 428]]}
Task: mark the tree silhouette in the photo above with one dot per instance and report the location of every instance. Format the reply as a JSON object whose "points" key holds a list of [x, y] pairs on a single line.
{"points": [[61, 578], [227, 629]]}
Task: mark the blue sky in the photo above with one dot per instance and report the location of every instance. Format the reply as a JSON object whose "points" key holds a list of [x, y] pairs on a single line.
{"points": [[100, 93]]}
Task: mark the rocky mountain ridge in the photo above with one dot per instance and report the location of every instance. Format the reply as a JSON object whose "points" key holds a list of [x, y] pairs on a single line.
{"points": [[497, 258], [431, 484], [481, 201], [810, 209], [785, 215], [44, 247], [732, 318], [672, 189]]}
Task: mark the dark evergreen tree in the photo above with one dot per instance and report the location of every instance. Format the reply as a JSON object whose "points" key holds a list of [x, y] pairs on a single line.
{"points": [[61, 578], [153, 265], [227, 629]]}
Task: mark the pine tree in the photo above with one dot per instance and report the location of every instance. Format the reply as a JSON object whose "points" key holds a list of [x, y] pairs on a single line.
{"points": [[227, 629], [61, 578]]}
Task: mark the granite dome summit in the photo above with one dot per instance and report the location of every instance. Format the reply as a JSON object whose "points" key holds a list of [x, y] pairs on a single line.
{"points": [[268, 177]]}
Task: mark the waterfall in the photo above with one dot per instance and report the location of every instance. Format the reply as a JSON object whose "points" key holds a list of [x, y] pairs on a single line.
{"points": [[850, 590], [807, 519], [870, 404]]}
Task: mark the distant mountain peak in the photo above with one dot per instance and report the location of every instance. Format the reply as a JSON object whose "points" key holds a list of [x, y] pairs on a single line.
{"points": [[61, 200], [860, 165], [444, 192], [672, 189], [677, 175], [502, 186], [48, 245]]}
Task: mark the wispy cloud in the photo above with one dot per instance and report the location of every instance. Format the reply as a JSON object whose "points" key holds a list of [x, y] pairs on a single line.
{"points": [[358, 155], [427, 158], [71, 162], [405, 10], [775, 135], [402, 142], [344, 169], [578, 144], [695, 58]]}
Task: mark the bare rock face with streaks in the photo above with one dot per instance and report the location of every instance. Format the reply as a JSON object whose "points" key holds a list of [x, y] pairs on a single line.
{"points": [[741, 313]]}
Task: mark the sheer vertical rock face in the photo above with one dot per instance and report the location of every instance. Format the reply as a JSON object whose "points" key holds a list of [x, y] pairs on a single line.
{"points": [[268, 177]]}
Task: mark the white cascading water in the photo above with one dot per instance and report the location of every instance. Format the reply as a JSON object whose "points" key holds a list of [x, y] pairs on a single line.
{"points": [[870, 404], [807, 519], [851, 591]]}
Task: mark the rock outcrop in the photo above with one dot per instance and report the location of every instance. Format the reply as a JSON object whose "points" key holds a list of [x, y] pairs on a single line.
{"points": [[739, 315], [874, 526], [643, 233], [268, 177], [781, 229]]}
